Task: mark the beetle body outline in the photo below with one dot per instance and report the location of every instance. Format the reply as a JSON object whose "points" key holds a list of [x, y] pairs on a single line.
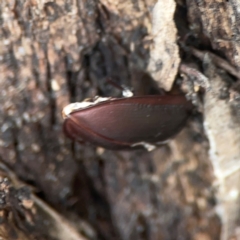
{"points": [[126, 123]]}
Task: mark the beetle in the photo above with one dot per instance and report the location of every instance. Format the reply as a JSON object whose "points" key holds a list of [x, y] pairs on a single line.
{"points": [[126, 123]]}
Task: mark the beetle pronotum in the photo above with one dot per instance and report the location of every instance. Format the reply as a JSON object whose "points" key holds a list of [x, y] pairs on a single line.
{"points": [[126, 123]]}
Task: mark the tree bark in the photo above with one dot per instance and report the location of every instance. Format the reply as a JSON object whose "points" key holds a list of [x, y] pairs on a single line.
{"points": [[56, 52]]}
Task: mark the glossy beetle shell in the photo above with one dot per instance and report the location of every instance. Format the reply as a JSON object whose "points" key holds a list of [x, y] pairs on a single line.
{"points": [[123, 123]]}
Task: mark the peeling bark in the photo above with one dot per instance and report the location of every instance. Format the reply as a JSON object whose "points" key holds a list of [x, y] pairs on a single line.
{"points": [[223, 131], [218, 22], [164, 58], [56, 52]]}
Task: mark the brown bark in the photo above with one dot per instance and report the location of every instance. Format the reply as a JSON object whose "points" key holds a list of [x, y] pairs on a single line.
{"points": [[217, 21], [56, 52]]}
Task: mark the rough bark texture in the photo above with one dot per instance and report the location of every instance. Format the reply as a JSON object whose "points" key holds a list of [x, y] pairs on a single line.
{"points": [[164, 58], [218, 22], [56, 52]]}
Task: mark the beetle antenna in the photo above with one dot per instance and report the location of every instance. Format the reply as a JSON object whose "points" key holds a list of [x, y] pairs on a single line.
{"points": [[126, 91]]}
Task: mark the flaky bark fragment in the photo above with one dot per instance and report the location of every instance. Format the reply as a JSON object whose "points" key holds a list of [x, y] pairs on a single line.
{"points": [[164, 55], [223, 131], [217, 22]]}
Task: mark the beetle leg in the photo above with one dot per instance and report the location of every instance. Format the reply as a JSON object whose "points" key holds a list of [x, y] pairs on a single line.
{"points": [[148, 146], [126, 92]]}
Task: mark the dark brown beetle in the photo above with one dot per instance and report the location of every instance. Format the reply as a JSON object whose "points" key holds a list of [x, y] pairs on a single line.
{"points": [[126, 123]]}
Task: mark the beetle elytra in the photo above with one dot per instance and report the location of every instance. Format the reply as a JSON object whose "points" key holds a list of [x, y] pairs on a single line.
{"points": [[126, 123]]}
